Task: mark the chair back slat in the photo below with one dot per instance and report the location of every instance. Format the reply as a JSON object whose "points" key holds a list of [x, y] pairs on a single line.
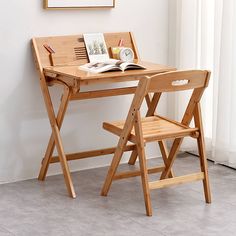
{"points": [[178, 81]]}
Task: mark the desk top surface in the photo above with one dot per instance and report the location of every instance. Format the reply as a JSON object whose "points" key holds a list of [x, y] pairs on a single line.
{"points": [[74, 72]]}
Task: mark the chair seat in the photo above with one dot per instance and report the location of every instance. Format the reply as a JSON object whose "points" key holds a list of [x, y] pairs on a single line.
{"points": [[154, 128]]}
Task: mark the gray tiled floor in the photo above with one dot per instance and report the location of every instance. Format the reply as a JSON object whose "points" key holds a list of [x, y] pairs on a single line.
{"points": [[36, 208]]}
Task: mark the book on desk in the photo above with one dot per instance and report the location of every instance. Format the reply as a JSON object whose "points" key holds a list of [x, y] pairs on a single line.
{"points": [[110, 65]]}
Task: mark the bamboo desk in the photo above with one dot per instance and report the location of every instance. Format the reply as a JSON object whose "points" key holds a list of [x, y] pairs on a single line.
{"points": [[72, 79]]}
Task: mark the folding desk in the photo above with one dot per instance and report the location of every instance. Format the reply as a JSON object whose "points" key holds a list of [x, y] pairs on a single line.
{"points": [[62, 68]]}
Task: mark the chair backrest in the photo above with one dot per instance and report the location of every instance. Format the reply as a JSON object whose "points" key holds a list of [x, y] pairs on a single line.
{"points": [[179, 80], [70, 50], [196, 80]]}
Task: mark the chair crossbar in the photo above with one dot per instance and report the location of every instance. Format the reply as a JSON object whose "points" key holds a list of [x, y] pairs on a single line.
{"points": [[176, 180], [129, 174]]}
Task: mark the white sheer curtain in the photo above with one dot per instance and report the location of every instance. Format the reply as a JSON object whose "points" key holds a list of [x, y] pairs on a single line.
{"points": [[191, 36], [224, 130], [203, 35]]}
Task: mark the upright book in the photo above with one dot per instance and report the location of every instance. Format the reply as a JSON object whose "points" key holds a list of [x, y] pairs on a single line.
{"points": [[96, 47]]}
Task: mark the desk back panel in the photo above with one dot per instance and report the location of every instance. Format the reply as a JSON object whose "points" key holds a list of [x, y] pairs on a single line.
{"points": [[70, 50]]}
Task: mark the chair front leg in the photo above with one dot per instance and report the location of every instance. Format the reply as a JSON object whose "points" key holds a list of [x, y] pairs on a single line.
{"points": [[143, 164], [151, 105], [114, 165]]}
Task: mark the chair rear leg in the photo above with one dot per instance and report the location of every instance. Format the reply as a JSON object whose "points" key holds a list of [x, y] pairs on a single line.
{"points": [[165, 155], [202, 153], [144, 177], [133, 157], [204, 168]]}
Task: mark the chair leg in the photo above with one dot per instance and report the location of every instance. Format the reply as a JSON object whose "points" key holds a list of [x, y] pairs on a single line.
{"points": [[133, 157], [164, 154], [203, 162], [143, 164], [151, 104], [202, 153], [113, 167], [129, 123], [144, 177], [170, 161]]}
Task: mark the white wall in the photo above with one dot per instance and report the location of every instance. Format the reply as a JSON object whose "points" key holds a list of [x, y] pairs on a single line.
{"points": [[24, 127]]}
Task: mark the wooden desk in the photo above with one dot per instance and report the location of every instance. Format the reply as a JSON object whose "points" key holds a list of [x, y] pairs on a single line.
{"points": [[71, 78]]}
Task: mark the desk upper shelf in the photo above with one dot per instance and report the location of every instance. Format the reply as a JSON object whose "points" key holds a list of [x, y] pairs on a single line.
{"points": [[71, 48], [66, 47]]}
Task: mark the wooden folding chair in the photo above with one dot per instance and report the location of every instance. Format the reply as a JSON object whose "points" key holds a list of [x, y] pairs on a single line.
{"points": [[156, 128]]}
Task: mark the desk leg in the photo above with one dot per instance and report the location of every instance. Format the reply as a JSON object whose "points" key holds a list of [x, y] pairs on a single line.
{"points": [[55, 138], [51, 143]]}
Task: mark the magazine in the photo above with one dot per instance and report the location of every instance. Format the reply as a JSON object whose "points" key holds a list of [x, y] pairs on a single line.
{"points": [[110, 65]]}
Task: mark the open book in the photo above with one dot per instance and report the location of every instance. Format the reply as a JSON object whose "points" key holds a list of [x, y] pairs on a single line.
{"points": [[110, 65]]}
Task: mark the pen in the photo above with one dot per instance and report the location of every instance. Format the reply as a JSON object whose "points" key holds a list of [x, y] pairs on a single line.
{"points": [[48, 48], [121, 43]]}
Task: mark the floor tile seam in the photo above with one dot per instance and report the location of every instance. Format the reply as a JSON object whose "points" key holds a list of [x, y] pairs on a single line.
{"points": [[6, 229]]}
